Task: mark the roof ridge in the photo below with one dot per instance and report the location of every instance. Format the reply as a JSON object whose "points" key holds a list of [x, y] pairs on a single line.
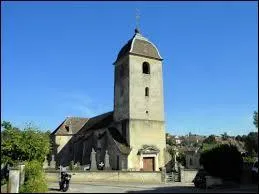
{"points": [[77, 117]]}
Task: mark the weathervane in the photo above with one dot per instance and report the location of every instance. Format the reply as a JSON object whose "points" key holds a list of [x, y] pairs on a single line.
{"points": [[137, 19]]}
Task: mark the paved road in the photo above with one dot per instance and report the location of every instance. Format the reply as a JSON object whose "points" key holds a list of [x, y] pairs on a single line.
{"points": [[145, 188]]}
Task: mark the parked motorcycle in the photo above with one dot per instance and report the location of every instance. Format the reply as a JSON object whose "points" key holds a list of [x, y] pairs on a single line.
{"points": [[64, 183]]}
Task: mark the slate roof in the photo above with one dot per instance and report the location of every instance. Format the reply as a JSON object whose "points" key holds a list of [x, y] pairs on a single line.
{"points": [[83, 125], [105, 121], [119, 140], [97, 122], [141, 46], [74, 124]]}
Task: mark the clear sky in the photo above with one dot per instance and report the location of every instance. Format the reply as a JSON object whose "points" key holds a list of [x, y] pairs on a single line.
{"points": [[57, 61]]}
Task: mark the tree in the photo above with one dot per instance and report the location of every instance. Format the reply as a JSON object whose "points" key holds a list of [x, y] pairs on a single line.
{"points": [[239, 138], [251, 143], [181, 158], [224, 136], [11, 141], [210, 140], [256, 119], [170, 142], [224, 161], [23, 145], [36, 144], [208, 146]]}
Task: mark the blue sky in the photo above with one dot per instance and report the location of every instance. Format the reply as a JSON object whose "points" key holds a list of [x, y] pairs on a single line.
{"points": [[57, 61]]}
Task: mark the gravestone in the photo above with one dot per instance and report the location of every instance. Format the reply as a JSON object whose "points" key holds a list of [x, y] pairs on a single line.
{"points": [[107, 161], [22, 173], [14, 181], [93, 160], [163, 174], [45, 163], [181, 172], [52, 162]]}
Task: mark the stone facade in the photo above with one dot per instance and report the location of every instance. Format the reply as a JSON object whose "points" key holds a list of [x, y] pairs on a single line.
{"points": [[142, 114]]}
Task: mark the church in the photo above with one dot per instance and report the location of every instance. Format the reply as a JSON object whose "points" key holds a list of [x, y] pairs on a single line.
{"points": [[133, 134]]}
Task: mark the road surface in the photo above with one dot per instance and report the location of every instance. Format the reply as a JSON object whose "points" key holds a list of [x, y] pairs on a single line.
{"points": [[93, 187]]}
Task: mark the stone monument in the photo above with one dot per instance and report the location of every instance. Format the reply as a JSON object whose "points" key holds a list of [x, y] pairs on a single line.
{"points": [[93, 160]]}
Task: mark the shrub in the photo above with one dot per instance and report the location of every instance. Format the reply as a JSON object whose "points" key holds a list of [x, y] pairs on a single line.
{"points": [[71, 165], [249, 159], [35, 181], [223, 161]]}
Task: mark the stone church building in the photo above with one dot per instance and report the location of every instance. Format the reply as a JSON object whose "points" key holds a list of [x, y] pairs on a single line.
{"points": [[133, 134]]}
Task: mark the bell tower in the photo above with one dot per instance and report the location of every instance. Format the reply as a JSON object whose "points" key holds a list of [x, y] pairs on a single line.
{"points": [[139, 102]]}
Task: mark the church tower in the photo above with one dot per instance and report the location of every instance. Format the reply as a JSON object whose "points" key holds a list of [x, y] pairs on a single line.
{"points": [[139, 103]]}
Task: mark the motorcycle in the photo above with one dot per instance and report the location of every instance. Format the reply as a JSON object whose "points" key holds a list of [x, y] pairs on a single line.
{"points": [[64, 183]]}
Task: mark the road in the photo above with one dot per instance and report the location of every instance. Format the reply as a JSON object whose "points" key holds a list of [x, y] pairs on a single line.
{"points": [[92, 187]]}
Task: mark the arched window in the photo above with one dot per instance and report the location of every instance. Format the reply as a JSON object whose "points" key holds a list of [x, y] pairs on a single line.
{"points": [[146, 68], [146, 91]]}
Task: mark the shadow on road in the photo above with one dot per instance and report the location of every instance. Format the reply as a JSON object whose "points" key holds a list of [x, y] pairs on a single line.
{"points": [[192, 189], [53, 189], [173, 189]]}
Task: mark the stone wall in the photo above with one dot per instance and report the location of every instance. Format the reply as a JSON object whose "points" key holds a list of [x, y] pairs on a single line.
{"points": [[187, 175], [107, 176]]}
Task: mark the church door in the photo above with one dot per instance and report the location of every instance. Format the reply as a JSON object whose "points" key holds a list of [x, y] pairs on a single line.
{"points": [[148, 164]]}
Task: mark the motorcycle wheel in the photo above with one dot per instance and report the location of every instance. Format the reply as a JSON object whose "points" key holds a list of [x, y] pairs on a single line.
{"points": [[65, 187]]}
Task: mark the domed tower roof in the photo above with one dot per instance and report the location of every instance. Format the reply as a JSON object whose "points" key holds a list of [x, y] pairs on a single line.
{"points": [[139, 45]]}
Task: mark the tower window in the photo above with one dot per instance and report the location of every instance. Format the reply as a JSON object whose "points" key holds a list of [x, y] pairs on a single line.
{"points": [[146, 91], [146, 68]]}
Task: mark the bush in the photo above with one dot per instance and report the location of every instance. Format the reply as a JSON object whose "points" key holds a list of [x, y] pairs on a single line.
{"points": [[249, 159], [35, 181], [223, 161]]}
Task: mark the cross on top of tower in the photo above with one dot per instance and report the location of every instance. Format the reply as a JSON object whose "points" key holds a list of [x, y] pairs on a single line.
{"points": [[137, 21]]}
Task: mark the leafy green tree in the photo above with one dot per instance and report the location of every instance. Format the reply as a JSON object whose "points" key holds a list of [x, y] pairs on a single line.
{"points": [[251, 143], [256, 119], [11, 144], [224, 136], [181, 158], [23, 145], [239, 138], [210, 140], [36, 144], [208, 146], [170, 142], [224, 161]]}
